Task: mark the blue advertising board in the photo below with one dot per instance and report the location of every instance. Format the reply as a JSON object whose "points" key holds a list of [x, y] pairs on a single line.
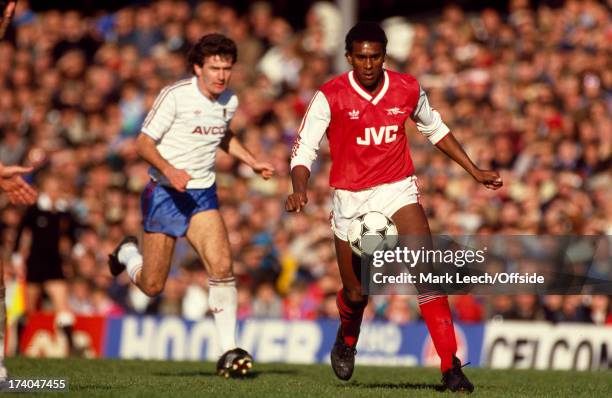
{"points": [[276, 340]]}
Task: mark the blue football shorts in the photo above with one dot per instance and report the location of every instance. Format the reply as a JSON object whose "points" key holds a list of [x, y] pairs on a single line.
{"points": [[168, 211]]}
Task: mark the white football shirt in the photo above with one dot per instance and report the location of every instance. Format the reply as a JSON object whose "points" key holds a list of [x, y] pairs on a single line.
{"points": [[188, 127]]}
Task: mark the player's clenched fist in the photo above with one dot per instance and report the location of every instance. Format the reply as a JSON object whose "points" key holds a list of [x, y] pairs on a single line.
{"points": [[265, 169], [489, 178], [178, 178], [296, 201]]}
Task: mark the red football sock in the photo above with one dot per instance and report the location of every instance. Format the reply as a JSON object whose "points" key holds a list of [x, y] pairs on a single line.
{"points": [[436, 313], [351, 314]]}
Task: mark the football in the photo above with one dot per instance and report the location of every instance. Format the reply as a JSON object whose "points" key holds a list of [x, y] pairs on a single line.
{"points": [[367, 233]]}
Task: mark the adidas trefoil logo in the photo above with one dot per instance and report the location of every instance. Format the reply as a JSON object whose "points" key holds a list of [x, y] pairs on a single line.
{"points": [[354, 114]]}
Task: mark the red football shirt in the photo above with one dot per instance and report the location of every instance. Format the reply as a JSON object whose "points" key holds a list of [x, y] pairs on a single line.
{"points": [[367, 140]]}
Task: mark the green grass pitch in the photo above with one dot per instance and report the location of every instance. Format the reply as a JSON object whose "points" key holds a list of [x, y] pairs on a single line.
{"points": [[160, 378]]}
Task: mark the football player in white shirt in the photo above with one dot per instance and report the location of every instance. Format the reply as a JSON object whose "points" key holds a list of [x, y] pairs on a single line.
{"points": [[180, 135]]}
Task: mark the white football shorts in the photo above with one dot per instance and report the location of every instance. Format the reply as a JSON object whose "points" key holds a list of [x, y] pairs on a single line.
{"points": [[385, 198]]}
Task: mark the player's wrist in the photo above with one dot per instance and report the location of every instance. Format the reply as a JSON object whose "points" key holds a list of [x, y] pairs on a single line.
{"points": [[474, 171], [166, 170], [251, 161]]}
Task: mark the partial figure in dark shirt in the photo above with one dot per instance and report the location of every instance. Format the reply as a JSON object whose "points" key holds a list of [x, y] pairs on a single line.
{"points": [[50, 230]]}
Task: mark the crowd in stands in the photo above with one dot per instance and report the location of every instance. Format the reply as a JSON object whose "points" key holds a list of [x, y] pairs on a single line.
{"points": [[527, 91]]}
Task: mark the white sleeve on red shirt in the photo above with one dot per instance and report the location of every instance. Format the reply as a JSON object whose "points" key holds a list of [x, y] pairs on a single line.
{"points": [[428, 120], [160, 117], [315, 123]]}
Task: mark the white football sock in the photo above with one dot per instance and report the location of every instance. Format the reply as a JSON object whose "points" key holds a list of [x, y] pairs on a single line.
{"points": [[131, 258], [223, 302], [64, 319]]}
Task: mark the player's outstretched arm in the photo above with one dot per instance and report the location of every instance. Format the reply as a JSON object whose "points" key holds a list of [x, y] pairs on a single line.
{"points": [[430, 124], [11, 171], [7, 16], [17, 190], [451, 147], [232, 145], [148, 151], [298, 199]]}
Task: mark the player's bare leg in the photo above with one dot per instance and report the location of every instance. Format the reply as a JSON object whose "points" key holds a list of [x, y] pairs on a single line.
{"points": [[157, 252], [58, 293], [33, 291], [351, 302], [64, 318], [148, 270], [208, 236], [411, 221]]}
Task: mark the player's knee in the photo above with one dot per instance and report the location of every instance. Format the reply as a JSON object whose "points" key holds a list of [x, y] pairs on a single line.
{"points": [[152, 288]]}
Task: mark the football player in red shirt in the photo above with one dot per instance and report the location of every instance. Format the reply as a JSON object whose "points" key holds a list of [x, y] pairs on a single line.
{"points": [[363, 113]]}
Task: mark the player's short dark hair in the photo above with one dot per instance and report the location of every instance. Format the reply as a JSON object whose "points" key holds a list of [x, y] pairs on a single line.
{"points": [[212, 44], [365, 31]]}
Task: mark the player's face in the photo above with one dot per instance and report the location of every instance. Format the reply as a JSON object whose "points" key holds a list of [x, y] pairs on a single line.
{"points": [[214, 75], [367, 59], [52, 188]]}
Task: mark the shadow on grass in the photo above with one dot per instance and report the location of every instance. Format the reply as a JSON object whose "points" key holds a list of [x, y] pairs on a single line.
{"points": [[398, 386], [93, 387], [251, 375]]}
